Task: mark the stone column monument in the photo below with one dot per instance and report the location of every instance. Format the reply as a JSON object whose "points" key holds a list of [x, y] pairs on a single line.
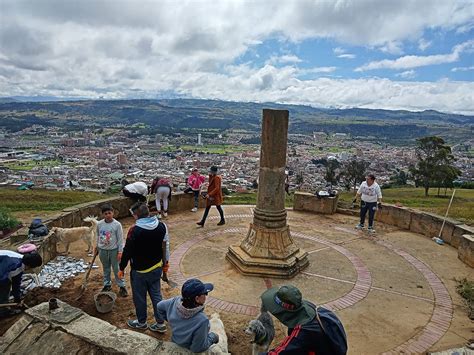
{"points": [[268, 250]]}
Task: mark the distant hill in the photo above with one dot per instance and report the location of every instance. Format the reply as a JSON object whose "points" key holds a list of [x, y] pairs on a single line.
{"points": [[173, 115]]}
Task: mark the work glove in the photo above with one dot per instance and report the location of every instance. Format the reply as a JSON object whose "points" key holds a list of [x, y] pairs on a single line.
{"points": [[121, 274], [379, 205], [166, 267]]}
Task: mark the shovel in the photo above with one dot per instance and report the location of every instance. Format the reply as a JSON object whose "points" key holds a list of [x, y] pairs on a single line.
{"points": [[171, 283], [84, 284]]}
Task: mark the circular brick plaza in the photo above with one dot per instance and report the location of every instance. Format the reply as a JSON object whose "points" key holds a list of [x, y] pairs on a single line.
{"points": [[393, 291]]}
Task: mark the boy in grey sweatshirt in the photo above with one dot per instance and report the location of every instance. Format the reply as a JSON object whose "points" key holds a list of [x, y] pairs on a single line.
{"points": [[109, 248]]}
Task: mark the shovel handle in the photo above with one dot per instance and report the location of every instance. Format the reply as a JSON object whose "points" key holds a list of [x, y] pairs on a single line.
{"points": [[89, 269]]}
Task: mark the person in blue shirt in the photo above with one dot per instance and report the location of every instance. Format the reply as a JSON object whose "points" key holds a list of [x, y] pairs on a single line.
{"points": [[12, 266], [186, 317]]}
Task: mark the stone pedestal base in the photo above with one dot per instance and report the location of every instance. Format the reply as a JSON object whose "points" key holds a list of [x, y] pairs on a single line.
{"points": [[268, 253]]}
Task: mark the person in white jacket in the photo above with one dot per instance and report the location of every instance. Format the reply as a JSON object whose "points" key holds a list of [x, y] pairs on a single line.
{"points": [[137, 191], [371, 199]]}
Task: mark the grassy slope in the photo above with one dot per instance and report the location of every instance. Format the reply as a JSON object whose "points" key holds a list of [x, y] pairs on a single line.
{"points": [[462, 208], [44, 200]]}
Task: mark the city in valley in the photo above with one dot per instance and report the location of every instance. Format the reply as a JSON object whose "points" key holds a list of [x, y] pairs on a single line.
{"points": [[96, 158]]}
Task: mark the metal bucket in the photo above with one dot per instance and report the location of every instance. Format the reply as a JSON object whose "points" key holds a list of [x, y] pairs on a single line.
{"points": [[104, 301]]}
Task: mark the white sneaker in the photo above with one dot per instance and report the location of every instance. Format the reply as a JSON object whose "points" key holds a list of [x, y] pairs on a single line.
{"points": [[159, 215], [165, 214], [194, 209]]}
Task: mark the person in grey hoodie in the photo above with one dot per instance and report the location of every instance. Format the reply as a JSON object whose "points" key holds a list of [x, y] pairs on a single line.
{"points": [[184, 314]]}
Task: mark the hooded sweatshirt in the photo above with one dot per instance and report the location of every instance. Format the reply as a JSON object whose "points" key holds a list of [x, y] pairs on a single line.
{"points": [[11, 269], [144, 245], [190, 326]]}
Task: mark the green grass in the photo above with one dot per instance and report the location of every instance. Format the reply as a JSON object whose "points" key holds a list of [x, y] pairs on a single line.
{"points": [[44, 200], [466, 289], [211, 148], [462, 208], [30, 164]]}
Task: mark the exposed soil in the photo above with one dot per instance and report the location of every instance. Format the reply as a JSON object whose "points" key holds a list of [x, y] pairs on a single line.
{"points": [[104, 299]]}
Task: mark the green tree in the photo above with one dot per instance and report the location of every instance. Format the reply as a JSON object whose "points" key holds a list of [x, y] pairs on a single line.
{"points": [[353, 172], [399, 179], [434, 164]]}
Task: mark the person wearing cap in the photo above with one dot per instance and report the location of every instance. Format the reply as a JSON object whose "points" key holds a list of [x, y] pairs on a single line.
{"points": [[195, 181], [311, 329], [12, 266], [214, 196], [185, 315], [145, 248]]}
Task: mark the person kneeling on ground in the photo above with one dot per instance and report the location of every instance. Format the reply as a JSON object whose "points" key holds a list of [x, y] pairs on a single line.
{"points": [[189, 324], [145, 248], [311, 329], [12, 266]]}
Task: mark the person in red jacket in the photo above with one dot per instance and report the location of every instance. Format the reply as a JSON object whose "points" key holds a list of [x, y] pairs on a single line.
{"points": [[214, 196], [195, 182]]}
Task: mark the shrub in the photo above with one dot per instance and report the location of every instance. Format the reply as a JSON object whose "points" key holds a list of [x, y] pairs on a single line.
{"points": [[7, 221]]}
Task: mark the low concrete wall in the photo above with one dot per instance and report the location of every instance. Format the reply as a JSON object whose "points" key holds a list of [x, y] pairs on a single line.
{"points": [[68, 330], [305, 201], [425, 223], [73, 217], [466, 250]]}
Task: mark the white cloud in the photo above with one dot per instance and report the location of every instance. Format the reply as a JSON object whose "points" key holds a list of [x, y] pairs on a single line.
{"points": [[392, 47], [413, 61], [423, 44], [462, 69], [284, 59], [347, 56], [409, 74], [124, 49], [317, 70]]}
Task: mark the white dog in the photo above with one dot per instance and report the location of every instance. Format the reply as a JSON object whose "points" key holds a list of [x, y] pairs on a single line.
{"points": [[263, 331], [71, 235], [218, 327]]}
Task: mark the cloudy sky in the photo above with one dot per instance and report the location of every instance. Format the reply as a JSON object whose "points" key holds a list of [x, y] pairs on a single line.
{"points": [[392, 54]]}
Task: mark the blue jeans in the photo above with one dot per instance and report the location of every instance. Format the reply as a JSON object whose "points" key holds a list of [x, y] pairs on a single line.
{"points": [[108, 258], [4, 295], [141, 284], [367, 206]]}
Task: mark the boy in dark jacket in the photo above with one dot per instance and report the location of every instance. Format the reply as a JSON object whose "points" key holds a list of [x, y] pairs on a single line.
{"points": [[145, 248], [311, 329], [12, 266]]}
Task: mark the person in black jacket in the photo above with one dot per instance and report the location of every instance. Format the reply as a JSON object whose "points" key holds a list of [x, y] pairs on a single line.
{"points": [[145, 248], [311, 329]]}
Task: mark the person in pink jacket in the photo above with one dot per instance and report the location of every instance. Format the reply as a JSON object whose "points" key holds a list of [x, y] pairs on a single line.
{"points": [[195, 181]]}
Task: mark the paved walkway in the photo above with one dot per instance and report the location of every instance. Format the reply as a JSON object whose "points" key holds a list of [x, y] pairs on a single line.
{"points": [[395, 291]]}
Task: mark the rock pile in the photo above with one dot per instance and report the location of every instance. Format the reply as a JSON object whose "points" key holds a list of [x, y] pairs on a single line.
{"points": [[54, 273]]}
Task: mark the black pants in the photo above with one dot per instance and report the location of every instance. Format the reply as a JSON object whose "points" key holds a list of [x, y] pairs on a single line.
{"points": [[134, 196], [367, 206], [206, 212]]}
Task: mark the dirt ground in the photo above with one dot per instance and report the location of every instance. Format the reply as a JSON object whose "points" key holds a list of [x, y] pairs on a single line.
{"points": [[398, 305]]}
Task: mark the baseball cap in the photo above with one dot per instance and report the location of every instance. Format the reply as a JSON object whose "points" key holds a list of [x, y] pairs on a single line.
{"points": [[194, 287]]}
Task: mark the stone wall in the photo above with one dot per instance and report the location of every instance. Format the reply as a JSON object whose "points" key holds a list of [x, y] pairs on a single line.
{"points": [[305, 201], [69, 330], [73, 217], [425, 223]]}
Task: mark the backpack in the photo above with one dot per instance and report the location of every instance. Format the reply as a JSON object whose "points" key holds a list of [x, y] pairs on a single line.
{"points": [[333, 329]]}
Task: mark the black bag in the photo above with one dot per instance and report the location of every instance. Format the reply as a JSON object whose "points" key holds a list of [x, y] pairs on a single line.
{"points": [[333, 329], [37, 229]]}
